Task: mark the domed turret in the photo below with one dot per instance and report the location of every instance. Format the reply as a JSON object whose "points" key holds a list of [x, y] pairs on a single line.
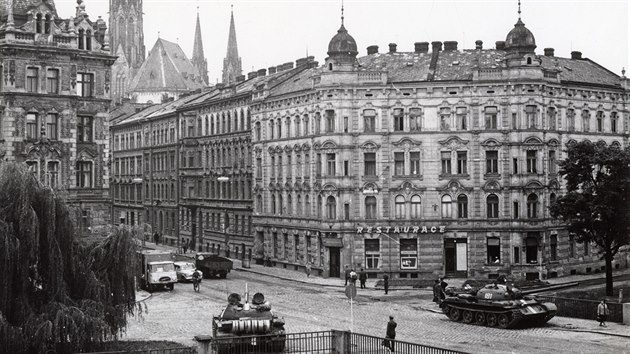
{"points": [[342, 44], [520, 39]]}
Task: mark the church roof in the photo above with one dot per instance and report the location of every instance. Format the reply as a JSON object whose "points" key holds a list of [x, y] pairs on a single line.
{"points": [[166, 69]]}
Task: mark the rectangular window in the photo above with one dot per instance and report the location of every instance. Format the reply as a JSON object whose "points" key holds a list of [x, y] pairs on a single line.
{"points": [[493, 245], [32, 126], [414, 158], [280, 167], [330, 121], [52, 81], [462, 118], [530, 114], [408, 253], [553, 249], [258, 167], [462, 162], [415, 119], [398, 120], [571, 246], [600, 121], [446, 162], [516, 210], [399, 163], [571, 119], [369, 120], [345, 124], [32, 79], [531, 161], [492, 161], [84, 174], [84, 129], [85, 84], [372, 253], [552, 161], [613, 122], [515, 165], [318, 165], [346, 170], [51, 126], [272, 167], [369, 162], [346, 211], [586, 120], [52, 169], [289, 165], [514, 121], [331, 161], [517, 255], [490, 114], [445, 118], [551, 116]]}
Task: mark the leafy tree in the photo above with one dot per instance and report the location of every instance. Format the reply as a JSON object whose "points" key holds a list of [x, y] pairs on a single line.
{"points": [[57, 293], [596, 207]]}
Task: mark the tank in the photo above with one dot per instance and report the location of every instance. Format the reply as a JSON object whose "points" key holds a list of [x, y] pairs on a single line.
{"points": [[497, 305], [248, 327]]}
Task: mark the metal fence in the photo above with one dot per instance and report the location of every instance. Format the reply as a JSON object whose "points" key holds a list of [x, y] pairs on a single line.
{"points": [[179, 350], [326, 342], [586, 309], [362, 343]]}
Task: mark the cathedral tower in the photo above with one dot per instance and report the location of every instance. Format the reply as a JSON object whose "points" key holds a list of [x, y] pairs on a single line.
{"points": [[232, 62], [198, 59], [126, 30]]}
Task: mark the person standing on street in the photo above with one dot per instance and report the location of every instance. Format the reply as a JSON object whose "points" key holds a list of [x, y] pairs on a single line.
{"points": [[347, 274], [443, 285], [353, 277], [602, 313], [386, 283], [308, 269], [390, 334], [155, 237], [437, 291], [362, 278]]}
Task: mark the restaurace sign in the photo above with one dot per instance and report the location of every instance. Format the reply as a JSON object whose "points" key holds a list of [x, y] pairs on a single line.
{"points": [[401, 229]]}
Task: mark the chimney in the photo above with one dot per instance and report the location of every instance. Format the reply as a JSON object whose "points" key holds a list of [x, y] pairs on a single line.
{"points": [[479, 44], [251, 75], [436, 46], [240, 78], [548, 52], [576, 55], [373, 49], [310, 58], [300, 62], [421, 47], [261, 72], [312, 64], [392, 47], [450, 46], [272, 70], [500, 45]]}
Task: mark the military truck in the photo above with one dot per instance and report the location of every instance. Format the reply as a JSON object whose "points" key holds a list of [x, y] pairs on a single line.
{"points": [[248, 328], [155, 270], [212, 265]]}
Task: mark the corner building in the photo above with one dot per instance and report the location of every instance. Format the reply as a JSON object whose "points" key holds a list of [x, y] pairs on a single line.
{"points": [[426, 163], [54, 102]]}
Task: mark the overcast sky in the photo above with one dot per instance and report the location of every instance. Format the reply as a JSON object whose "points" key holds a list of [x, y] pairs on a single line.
{"points": [[270, 33]]}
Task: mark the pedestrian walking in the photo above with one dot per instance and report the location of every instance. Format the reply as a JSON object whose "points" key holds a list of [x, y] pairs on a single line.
{"points": [[353, 277], [308, 269], [185, 247], [602, 313], [362, 278], [155, 237], [390, 334], [437, 291], [386, 283], [347, 274]]}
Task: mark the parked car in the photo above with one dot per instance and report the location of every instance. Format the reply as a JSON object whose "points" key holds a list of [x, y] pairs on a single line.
{"points": [[185, 271]]}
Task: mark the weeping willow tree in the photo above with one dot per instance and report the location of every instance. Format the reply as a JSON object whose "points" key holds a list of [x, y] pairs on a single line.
{"points": [[57, 293]]}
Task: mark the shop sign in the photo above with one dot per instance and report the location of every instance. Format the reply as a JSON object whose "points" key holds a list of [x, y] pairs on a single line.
{"points": [[401, 229], [332, 242]]}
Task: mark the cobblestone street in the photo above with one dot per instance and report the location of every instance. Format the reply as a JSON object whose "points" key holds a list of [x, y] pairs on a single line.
{"points": [[317, 304]]}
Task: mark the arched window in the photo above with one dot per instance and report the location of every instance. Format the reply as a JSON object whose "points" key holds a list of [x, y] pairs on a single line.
{"points": [[492, 206], [289, 204], [446, 206], [307, 205], [532, 206], [249, 120], [273, 204], [88, 40], [370, 207], [38, 24], [297, 126], [242, 126], [81, 38], [207, 126], [280, 205], [271, 128], [257, 131], [259, 203], [306, 123], [331, 208], [462, 206], [199, 127], [529, 60], [330, 66], [299, 205], [415, 207], [47, 25], [400, 211], [319, 206]]}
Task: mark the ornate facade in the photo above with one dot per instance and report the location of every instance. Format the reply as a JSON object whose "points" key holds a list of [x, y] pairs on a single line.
{"points": [[423, 163], [54, 98]]}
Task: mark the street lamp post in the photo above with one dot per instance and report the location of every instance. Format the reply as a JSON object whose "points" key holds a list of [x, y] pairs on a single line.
{"points": [[225, 225]]}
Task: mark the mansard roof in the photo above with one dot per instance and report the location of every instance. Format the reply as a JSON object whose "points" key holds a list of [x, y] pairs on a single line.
{"points": [[166, 69]]}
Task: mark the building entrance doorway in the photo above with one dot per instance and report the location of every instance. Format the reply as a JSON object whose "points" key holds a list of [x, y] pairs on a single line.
{"points": [[334, 266], [456, 257]]}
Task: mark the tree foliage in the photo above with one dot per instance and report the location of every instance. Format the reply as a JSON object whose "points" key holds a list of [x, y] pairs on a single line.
{"points": [[596, 207], [56, 292]]}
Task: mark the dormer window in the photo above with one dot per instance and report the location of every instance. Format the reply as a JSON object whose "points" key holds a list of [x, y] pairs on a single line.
{"points": [[330, 67], [88, 40], [81, 38], [47, 25], [529, 61]]}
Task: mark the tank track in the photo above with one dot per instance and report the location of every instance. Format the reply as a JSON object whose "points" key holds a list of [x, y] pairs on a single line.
{"points": [[500, 318]]}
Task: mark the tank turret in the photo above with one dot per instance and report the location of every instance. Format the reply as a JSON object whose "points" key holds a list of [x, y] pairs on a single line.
{"points": [[248, 326], [497, 304]]}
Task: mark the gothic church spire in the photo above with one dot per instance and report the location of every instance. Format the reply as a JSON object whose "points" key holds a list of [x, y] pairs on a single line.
{"points": [[198, 59], [232, 62]]}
